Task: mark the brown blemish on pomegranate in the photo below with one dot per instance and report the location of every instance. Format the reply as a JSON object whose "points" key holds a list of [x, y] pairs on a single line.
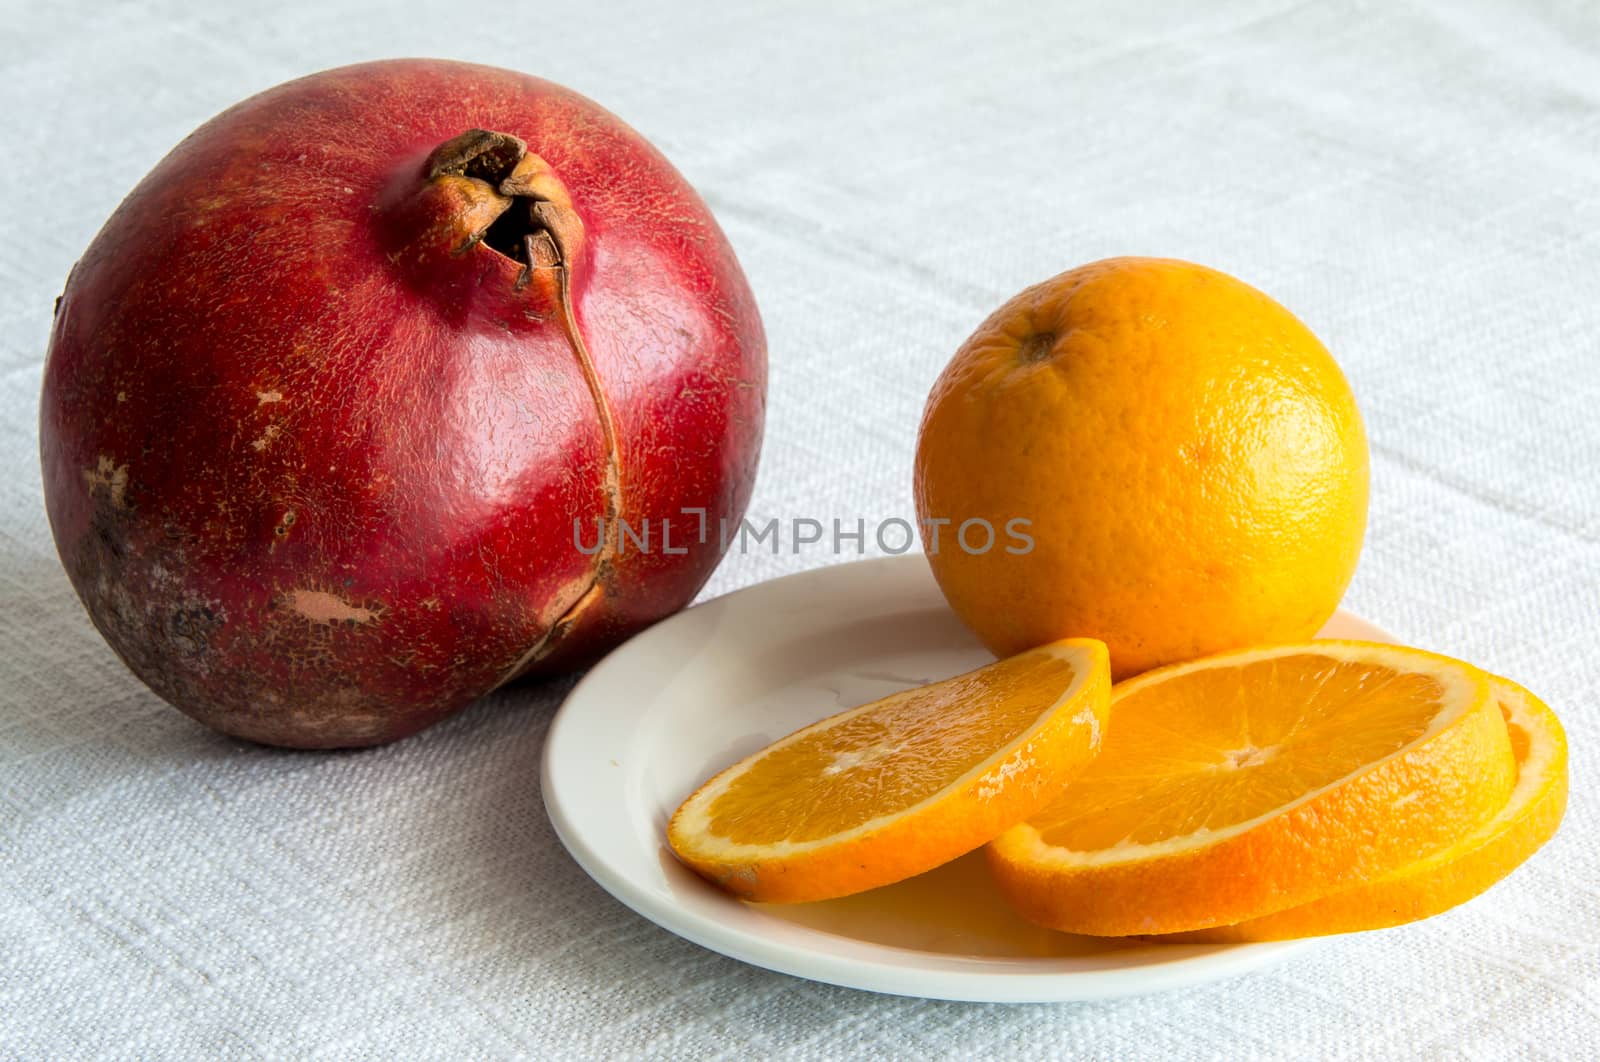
{"points": [[265, 397], [266, 438], [110, 475], [319, 606]]}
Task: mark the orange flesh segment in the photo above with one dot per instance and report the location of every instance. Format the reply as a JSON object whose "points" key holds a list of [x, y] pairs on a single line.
{"points": [[1197, 755], [836, 779], [898, 786]]}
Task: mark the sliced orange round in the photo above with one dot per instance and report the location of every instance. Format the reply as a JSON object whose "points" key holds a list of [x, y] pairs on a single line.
{"points": [[1458, 872], [1245, 783], [889, 789]]}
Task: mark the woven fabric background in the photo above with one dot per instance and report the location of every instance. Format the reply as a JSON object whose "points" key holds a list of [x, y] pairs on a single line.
{"points": [[1416, 180]]}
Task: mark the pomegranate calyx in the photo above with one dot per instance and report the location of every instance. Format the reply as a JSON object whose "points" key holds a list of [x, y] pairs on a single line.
{"points": [[513, 202]]}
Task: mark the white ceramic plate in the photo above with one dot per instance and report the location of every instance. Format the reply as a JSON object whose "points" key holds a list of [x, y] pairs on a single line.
{"points": [[713, 684]]}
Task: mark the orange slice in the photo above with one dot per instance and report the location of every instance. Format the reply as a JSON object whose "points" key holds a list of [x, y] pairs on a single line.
{"points": [[1458, 872], [1245, 783], [898, 786]]}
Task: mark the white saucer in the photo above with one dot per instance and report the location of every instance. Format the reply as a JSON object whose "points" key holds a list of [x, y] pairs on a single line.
{"points": [[713, 684]]}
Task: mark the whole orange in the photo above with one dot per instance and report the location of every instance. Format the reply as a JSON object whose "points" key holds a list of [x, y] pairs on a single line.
{"points": [[1148, 452]]}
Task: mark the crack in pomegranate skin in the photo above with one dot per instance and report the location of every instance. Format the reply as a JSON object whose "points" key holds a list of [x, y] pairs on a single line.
{"points": [[431, 431], [536, 226], [611, 484]]}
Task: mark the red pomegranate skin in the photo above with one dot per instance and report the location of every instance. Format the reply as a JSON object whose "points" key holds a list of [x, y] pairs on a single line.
{"points": [[313, 459]]}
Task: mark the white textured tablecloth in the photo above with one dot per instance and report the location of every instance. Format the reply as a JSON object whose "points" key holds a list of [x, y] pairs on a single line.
{"points": [[1417, 181]]}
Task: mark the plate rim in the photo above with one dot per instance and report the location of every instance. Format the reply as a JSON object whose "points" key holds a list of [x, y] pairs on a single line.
{"points": [[1193, 965]]}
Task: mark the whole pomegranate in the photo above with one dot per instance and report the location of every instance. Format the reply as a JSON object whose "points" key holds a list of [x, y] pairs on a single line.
{"points": [[388, 386]]}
